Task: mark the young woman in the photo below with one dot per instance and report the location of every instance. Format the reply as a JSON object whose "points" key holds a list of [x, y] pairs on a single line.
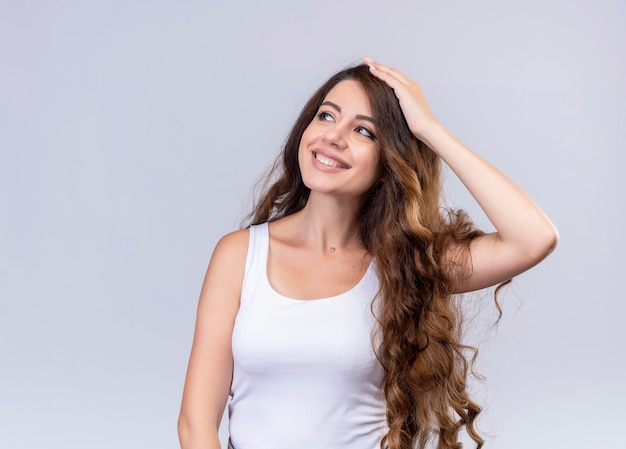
{"points": [[330, 321]]}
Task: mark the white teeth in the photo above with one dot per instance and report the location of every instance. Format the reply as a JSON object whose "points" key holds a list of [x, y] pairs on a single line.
{"points": [[328, 162]]}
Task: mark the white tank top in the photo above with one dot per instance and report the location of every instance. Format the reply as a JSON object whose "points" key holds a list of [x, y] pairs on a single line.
{"points": [[305, 374]]}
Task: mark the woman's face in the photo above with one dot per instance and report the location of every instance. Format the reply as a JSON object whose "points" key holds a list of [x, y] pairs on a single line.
{"points": [[339, 152]]}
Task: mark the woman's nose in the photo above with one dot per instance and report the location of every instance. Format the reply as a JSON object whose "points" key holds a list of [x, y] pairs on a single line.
{"points": [[335, 135]]}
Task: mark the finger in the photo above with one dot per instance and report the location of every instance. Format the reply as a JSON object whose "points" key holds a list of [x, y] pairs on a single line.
{"points": [[388, 78], [389, 70]]}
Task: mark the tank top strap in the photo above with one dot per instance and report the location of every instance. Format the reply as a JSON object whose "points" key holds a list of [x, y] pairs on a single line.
{"points": [[256, 261]]}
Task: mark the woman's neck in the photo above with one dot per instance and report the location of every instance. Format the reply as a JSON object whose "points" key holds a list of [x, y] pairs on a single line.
{"points": [[328, 223]]}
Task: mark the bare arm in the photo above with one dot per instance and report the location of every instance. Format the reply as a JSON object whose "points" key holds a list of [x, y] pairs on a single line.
{"points": [[209, 373], [524, 235]]}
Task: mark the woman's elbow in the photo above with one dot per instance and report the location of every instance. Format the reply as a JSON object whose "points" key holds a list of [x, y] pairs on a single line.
{"points": [[184, 431], [544, 242], [193, 433]]}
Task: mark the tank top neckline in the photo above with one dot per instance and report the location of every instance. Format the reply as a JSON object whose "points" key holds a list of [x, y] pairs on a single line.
{"points": [[266, 279]]}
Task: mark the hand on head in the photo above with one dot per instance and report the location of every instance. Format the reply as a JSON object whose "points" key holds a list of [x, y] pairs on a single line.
{"points": [[410, 95]]}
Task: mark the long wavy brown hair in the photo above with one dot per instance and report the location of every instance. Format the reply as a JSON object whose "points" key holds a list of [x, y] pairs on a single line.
{"points": [[404, 227]]}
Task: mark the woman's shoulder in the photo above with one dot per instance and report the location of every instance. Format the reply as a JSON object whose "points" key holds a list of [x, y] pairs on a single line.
{"points": [[232, 248], [235, 240]]}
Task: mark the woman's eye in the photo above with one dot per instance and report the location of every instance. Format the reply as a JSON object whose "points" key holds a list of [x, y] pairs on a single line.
{"points": [[365, 132], [325, 116]]}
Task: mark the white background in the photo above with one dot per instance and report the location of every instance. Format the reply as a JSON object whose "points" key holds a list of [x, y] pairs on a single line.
{"points": [[132, 132]]}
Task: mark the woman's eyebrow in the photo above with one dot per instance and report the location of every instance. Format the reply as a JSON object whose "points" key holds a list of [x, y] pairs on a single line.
{"points": [[332, 105], [338, 108]]}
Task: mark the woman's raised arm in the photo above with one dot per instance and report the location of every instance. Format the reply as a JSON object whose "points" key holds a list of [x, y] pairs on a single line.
{"points": [[524, 235], [209, 374]]}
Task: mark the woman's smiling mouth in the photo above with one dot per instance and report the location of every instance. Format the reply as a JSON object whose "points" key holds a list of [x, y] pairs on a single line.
{"points": [[329, 162]]}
